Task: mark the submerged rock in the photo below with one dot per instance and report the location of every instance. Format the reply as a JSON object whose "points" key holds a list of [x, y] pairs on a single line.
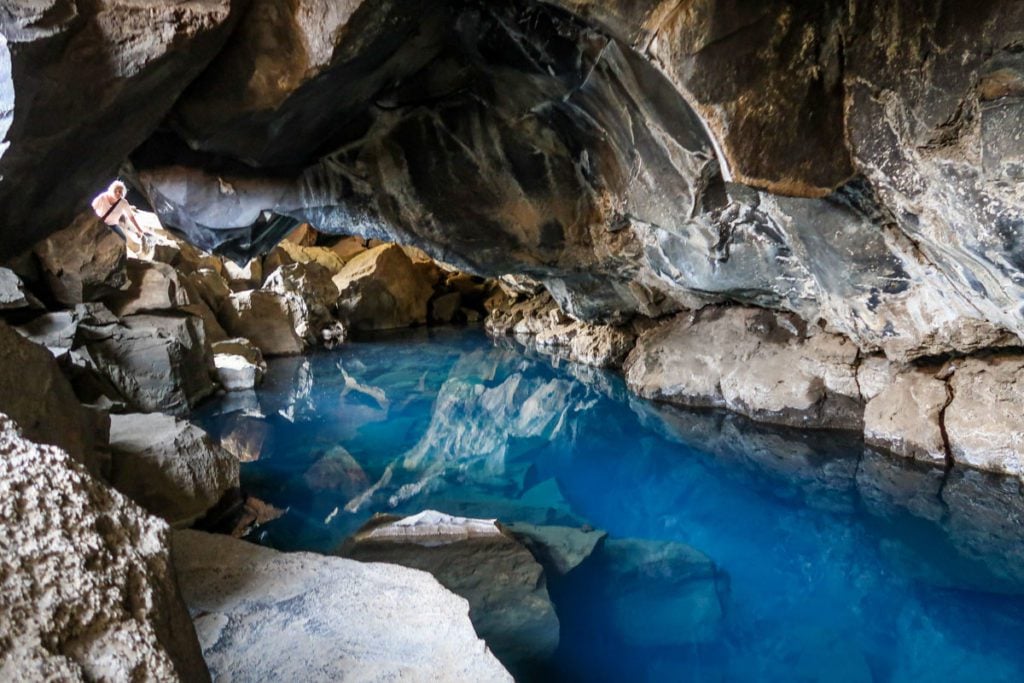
{"points": [[169, 466], [475, 558], [337, 471], [86, 583], [262, 614], [559, 548]]}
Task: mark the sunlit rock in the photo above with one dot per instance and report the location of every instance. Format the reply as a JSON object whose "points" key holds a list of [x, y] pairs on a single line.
{"points": [[83, 262], [152, 286], [13, 293], [310, 294], [985, 418], [382, 289], [86, 581], [244, 277], [265, 318], [240, 365], [504, 584], [169, 466], [906, 418]]}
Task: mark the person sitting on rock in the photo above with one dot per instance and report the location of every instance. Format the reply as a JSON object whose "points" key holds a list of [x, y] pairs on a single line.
{"points": [[112, 207]]}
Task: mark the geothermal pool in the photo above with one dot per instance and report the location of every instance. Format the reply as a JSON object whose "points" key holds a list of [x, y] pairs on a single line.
{"points": [[834, 564]]}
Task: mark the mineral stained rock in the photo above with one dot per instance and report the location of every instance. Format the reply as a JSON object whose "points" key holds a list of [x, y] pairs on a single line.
{"points": [[86, 582], [327, 618]]}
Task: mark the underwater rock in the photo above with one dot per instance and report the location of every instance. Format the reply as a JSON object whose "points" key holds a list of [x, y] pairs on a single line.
{"points": [[337, 471], [382, 289], [169, 466], [86, 582], [260, 613], [768, 366], [474, 558], [560, 549], [84, 262], [239, 364]]}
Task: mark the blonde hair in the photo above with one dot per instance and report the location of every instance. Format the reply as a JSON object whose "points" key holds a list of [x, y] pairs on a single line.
{"points": [[117, 185]]}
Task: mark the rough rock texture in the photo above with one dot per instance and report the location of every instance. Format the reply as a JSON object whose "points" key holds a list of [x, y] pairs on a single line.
{"points": [[83, 262], [985, 419], [262, 614], [35, 393], [13, 293], [151, 287], [504, 584], [86, 584], [381, 289], [265, 318], [81, 85], [239, 364], [768, 366], [906, 418], [310, 294], [169, 466], [156, 362]]}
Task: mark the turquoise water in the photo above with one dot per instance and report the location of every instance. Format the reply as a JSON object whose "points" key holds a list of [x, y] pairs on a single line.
{"points": [[836, 565]]}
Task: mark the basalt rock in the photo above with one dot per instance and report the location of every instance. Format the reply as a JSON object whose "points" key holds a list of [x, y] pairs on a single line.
{"points": [[169, 466], [81, 85], [13, 293], [83, 262], [264, 318], [240, 365], [152, 286], [260, 613], [510, 608], [86, 584], [382, 289]]}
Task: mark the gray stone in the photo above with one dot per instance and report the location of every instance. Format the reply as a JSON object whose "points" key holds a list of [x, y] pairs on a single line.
{"points": [[262, 614], [560, 549], [310, 295], [504, 584], [152, 286], [169, 466], [13, 293], [985, 419], [240, 365], [906, 418], [265, 318], [86, 583]]}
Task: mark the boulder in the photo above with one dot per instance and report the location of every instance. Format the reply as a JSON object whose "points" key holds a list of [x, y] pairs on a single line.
{"points": [[768, 366], [985, 419], [210, 285], [348, 247], [243, 277], [310, 294], [35, 393], [277, 257], [14, 294], [337, 471], [212, 329], [169, 466], [265, 318], [560, 549], [239, 364], [445, 308], [382, 289], [83, 262], [906, 417], [153, 286], [321, 256], [158, 363], [262, 614], [504, 584], [87, 589], [661, 594]]}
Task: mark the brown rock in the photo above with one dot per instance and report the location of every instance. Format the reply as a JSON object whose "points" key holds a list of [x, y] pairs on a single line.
{"points": [[382, 289], [905, 418], [84, 262]]}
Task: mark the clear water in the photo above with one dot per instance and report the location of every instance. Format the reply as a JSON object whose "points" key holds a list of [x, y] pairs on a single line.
{"points": [[841, 566]]}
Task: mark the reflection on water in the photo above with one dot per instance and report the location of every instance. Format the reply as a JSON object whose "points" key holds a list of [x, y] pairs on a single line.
{"points": [[842, 564]]}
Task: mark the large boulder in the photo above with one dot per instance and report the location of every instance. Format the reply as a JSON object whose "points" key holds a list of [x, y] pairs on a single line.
{"points": [[158, 363], [87, 589], [81, 85], [262, 614], [265, 318], [35, 393], [475, 558], [985, 419], [152, 286], [769, 366], [83, 262], [906, 418], [310, 294], [382, 289], [169, 466]]}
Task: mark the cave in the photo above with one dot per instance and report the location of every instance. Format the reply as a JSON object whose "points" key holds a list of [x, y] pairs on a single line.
{"points": [[511, 339]]}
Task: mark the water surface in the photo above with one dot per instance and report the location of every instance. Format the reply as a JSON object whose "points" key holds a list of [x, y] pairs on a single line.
{"points": [[839, 565]]}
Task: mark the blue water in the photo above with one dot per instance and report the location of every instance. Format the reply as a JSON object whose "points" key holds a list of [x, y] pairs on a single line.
{"points": [[836, 565]]}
